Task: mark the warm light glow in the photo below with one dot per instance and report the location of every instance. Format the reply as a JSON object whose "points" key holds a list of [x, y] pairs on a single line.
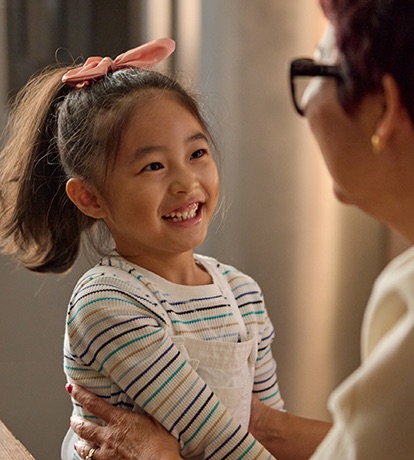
{"points": [[317, 253], [159, 19], [188, 36]]}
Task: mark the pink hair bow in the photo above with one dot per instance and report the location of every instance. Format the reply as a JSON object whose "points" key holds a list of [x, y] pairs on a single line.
{"points": [[144, 57]]}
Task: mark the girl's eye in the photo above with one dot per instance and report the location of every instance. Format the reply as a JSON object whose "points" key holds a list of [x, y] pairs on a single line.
{"points": [[153, 167], [198, 153]]}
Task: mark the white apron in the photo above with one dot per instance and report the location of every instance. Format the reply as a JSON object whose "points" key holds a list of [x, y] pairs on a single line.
{"points": [[227, 368]]}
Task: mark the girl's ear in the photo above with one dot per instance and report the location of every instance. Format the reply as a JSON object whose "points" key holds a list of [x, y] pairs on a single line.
{"points": [[84, 198]]}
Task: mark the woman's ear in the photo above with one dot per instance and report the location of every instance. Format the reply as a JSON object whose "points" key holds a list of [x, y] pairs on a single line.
{"points": [[394, 114], [84, 198]]}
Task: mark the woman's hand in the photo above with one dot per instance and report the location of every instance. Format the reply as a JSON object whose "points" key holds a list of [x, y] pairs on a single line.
{"points": [[127, 436]]}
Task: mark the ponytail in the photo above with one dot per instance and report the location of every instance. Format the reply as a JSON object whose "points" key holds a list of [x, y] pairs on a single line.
{"points": [[39, 224]]}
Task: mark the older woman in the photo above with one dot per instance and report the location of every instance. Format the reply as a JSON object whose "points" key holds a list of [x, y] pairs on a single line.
{"points": [[360, 108]]}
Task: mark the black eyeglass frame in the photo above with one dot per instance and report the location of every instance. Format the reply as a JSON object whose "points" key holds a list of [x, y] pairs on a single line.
{"points": [[306, 67]]}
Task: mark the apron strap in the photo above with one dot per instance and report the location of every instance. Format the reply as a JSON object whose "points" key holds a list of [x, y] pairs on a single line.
{"points": [[228, 294]]}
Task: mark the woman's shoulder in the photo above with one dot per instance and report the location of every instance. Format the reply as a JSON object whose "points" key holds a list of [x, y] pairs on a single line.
{"points": [[398, 274]]}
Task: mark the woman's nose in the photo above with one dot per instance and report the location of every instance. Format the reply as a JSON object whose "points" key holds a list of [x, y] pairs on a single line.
{"points": [[184, 180]]}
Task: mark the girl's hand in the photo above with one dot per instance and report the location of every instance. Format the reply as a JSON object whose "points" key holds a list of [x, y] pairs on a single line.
{"points": [[127, 435]]}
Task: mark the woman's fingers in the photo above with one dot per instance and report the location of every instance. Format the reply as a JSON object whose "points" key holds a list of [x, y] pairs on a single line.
{"points": [[89, 431], [83, 448], [127, 435], [98, 437], [93, 403]]}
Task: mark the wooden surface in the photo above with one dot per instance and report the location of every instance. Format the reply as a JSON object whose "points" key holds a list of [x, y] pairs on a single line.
{"points": [[10, 447]]}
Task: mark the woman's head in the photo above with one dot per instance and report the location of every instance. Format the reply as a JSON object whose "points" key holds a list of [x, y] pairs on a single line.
{"points": [[374, 38], [363, 118], [56, 132]]}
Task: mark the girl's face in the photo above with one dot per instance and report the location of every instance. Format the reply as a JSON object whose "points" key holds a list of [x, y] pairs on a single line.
{"points": [[163, 190], [344, 140]]}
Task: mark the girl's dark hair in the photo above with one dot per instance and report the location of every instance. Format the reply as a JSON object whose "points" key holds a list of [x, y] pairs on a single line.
{"points": [[374, 38], [56, 132]]}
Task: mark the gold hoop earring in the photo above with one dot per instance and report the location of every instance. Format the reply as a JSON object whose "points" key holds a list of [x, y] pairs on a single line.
{"points": [[375, 142]]}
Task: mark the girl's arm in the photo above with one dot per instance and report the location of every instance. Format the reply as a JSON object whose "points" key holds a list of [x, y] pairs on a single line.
{"points": [[129, 436], [266, 385]]}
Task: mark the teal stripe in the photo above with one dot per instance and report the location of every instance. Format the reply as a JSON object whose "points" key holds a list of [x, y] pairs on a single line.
{"points": [[98, 300], [164, 384], [248, 449], [123, 346], [201, 319], [260, 312], [261, 357], [249, 283], [268, 397], [69, 368], [204, 422]]}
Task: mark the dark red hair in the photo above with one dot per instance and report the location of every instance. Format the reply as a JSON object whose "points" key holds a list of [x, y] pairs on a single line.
{"points": [[374, 38]]}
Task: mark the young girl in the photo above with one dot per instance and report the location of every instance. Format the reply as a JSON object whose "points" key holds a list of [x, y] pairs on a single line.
{"points": [[153, 326]]}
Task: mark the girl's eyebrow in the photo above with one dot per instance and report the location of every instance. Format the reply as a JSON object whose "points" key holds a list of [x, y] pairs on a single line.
{"points": [[197, 137], [142, 152]]}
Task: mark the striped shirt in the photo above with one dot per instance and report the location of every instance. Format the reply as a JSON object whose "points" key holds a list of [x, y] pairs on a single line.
{"points": [[119, 344]]}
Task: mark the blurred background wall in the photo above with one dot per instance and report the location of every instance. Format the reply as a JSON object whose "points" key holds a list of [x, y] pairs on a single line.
{"points": [[314, 258]]}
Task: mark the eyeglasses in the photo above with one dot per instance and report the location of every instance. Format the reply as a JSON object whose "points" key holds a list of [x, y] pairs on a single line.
{"points": [[301, 73]]}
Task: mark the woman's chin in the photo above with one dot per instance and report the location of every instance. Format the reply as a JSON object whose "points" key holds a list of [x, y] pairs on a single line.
{"points": [[341, 196]]}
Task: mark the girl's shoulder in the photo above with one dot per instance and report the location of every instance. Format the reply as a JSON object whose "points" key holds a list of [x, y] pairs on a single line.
{"points": [[113, 271], [114, 281], [230, 273]]}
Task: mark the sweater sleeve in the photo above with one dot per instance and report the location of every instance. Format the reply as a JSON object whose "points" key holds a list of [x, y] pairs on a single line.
{"points": [[121, 335], [266, 386]]}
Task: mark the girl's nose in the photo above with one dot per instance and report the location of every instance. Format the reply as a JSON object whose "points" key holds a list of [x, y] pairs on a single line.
{"points": [[184, 181]]}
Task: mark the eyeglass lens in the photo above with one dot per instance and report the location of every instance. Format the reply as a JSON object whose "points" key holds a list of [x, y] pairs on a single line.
{"points": [[301, 83]]}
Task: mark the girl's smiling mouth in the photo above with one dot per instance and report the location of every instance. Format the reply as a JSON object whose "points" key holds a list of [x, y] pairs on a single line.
{"points": [[190, 212]]}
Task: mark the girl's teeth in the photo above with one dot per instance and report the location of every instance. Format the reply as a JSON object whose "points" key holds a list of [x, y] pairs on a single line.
{"points": [[180, 216]]}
